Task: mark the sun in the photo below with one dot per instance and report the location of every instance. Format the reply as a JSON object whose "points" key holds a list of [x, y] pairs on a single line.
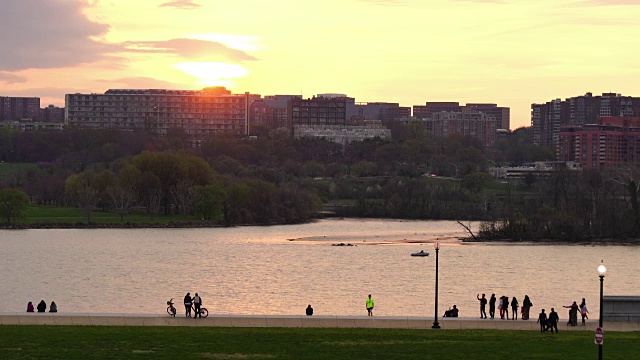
{"points": [[213, 73]]}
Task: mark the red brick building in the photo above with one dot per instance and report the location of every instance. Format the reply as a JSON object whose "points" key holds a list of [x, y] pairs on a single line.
{"points": [[612, 142]]}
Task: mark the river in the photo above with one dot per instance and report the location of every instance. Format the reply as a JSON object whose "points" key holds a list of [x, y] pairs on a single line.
{"points": [[282, 269]]}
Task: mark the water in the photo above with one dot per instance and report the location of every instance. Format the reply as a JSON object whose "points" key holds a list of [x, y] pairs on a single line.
{"points": [[260, 270]]}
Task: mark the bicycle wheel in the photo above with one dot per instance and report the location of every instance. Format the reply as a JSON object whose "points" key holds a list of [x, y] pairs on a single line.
{"points": [[204, 312], [171, 311]]}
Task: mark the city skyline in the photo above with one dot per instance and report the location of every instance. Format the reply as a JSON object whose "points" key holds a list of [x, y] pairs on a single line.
{"points": [[513, 53]]}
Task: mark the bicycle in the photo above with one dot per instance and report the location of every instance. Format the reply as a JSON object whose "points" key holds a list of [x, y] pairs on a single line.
{"points": [[170, 309], [203, 311]]}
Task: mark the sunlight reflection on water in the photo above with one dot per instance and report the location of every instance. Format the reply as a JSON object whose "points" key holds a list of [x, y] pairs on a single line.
{"points": [[258, 270]]}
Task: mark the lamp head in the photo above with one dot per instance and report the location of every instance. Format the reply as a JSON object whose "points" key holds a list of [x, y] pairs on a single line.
{"points": [[437, 245], [602, 270]]}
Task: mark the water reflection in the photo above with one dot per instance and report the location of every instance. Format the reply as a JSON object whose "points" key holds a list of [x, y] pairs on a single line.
{"points": [[258, 270]]}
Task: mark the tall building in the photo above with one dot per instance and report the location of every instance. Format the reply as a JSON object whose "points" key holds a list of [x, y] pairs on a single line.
{"points": [[546, 119], [19, 108], [198, 112], [476, 124], [609, 143], [502, 114], [377, 111], [271, 111], [425, 111], [52, 114], [319, 110]]}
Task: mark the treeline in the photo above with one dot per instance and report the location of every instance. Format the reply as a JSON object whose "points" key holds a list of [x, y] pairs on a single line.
{"points": [[570, 206], [272, 179]]}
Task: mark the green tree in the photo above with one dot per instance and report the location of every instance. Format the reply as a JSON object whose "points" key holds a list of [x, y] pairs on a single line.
{"points": [[209, 201], [13, 203]]}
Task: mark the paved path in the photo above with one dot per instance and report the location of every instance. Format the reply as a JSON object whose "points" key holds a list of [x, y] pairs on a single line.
{"points": [[395, 322]]}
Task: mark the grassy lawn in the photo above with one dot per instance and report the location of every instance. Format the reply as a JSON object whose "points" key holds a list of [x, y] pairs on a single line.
{"points": [[68, 342], [50, 214]]}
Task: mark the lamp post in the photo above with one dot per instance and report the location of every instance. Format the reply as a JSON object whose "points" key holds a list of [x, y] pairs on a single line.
{"points": [[602, 271], [435, 316]]}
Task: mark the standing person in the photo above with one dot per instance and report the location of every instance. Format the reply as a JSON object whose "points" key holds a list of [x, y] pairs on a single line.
{"points": [[483, 304], [552, 321], [573, 314], [309, 310], [542, 319], [526, 305], [492, 306], [30, 307], [505, 305], [187, 304], [197, 302], [583, 311], [514, 309], [42, 306], [369, 306], [53, 307]]}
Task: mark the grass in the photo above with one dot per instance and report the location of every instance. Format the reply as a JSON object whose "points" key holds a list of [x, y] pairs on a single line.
{"points": [[50, 214], [69, 342]]}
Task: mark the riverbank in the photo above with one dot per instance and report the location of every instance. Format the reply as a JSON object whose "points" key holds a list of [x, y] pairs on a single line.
{"points": [[113, 342], [294, 321]]}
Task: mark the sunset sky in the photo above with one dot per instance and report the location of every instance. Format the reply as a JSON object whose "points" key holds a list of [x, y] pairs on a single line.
{"points": [[509, 52]]}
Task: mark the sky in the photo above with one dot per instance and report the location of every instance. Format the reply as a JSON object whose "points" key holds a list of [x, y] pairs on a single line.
{"points": [[510, 52]]}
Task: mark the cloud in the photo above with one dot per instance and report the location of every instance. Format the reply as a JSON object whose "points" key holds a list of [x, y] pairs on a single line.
{"points": [[49, 34], [190, 48], [138, 83], [609, 2], [182, 4], [10, 78]]}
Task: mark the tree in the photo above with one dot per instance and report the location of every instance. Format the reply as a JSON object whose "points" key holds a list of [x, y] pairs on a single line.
{"points": [[122, 198], [208, 201], [13, 203]]}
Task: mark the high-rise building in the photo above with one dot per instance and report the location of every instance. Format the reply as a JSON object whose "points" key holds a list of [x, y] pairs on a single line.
{"points": [[475, 124], [19, 108], [271, 111], [198, 112], [319, 110], [502, 114], [425, 111], [52, 114], [609, 143], [377, 111], [546, 119]]}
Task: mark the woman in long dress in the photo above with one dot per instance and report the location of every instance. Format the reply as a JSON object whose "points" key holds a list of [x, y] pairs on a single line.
{"points": [[573, 314]]}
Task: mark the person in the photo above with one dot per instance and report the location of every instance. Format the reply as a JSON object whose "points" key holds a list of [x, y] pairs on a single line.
{"points": [[451, 312], [526, 305], [492, 306], [42, 306], [501, 307], [187, 304], [369, 306], [197, 302], [542, 319], [552, 321], [514, 309], [483, 304], [53, 307], [583, 311], [573, 314], [30, 307], [309, 310], [505, 305]]}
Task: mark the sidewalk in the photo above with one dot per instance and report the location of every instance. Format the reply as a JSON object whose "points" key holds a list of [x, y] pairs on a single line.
{"points": [[387, 322]]}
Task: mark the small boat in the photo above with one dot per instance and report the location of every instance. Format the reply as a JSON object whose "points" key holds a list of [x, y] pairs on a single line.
{"points": [[421, 253]]}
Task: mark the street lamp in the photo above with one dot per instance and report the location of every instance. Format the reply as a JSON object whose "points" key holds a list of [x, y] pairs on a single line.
{"points": [[435, 316], [602, 271]]}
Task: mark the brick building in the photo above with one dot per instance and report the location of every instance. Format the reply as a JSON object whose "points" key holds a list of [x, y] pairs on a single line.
{"points": [[19, 108], [476, 124], [611, 142], [317, 111], [271, 111], [198, 112], [52, 114]]}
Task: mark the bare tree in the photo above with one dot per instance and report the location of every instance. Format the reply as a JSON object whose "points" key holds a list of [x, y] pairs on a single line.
{"points": [[122, 199], [183, 195]]}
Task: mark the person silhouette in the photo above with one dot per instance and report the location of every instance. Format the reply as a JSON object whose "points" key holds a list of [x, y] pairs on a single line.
{"points": [[309, 310], [483, 304]]}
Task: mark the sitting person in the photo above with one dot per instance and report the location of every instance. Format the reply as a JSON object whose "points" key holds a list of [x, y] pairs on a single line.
{"points": [[53, 307], [42, 306], [30, 307], [451, 312], [309, 310]]}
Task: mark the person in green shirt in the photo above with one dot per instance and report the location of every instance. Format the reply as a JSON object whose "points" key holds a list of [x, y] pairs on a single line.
{"points": [[370, 306]]}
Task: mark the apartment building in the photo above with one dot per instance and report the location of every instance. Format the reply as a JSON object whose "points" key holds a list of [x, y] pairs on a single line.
{"points": [[548, 118], [198, 112], [271, 111], [320, 110], [611, 142], [19, 108], [475, 124]]}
